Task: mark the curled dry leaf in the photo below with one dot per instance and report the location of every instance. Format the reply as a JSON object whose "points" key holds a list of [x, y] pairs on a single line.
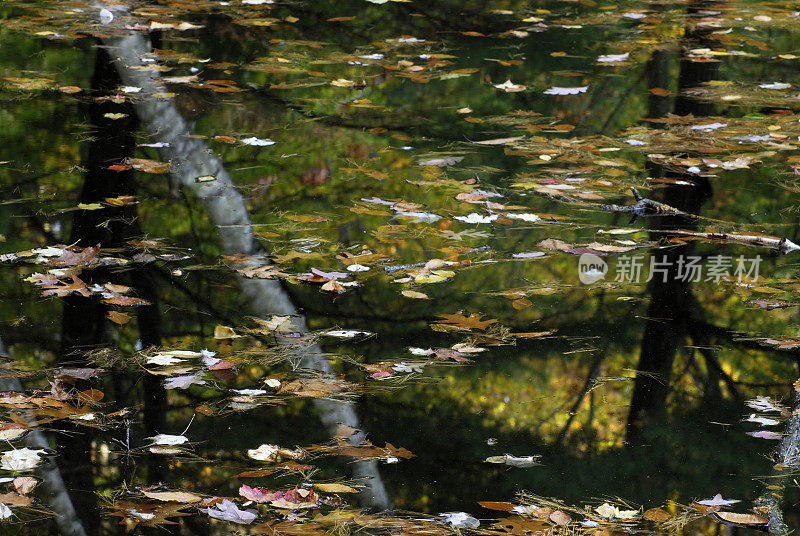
{"points": [[734, 518], [656, 515], [560, 518], [24, 484]]}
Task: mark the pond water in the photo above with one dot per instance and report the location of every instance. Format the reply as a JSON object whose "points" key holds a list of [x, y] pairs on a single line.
{"points": [[399, 267]]}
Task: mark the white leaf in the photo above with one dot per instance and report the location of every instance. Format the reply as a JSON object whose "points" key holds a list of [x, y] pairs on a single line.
{"points": [[5, 511], [709, 126], [524, 217], [264, 453], [555, 90], [610, 58], [763, 421], [717, 500], [477, 218], [776, 85], [167, 439], [163, 360], [515, 461], [345, 333], [357, 268], [250, 392], [421, 216], [20, 459], [182, 382], [461, 520], [510, 87], [259, 142], [106, 16], [228, 511], [141, 515]]}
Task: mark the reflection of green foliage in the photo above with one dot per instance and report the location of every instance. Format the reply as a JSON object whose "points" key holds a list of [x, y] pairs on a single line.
{"points": [[519, 394]]}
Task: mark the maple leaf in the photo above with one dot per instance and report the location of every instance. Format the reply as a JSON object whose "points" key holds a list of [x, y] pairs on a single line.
{"points": [[64, 289], [472, 321]]}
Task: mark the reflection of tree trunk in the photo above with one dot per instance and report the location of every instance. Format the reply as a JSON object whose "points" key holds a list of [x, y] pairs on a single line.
{"points": [[83, 321], [54, 489], [226, 207], [671, 298]]}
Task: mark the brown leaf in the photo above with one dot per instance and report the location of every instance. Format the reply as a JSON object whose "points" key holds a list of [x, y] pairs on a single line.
{"points": [[118, 317], [560, 518], [334, 487], [703, 509], [15, 499], [90, 396], [148, 166], [520, 526], [224, 332], [522, 303], [553, 244], [657, 515], [735, 518], [125, 300], [472, 321], [24, 484], [172, 496], [414, 294], [502, 506], [254, 474]]}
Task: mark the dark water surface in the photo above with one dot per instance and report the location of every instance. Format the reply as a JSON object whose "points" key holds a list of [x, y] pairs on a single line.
{"points": [[436, 253]]}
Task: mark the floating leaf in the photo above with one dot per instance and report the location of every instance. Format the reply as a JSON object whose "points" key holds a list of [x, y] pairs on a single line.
{"points": [[172, 496]]}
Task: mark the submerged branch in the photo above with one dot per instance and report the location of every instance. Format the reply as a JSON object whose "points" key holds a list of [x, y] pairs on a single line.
{"points": [[646, 207], [782, 245]]}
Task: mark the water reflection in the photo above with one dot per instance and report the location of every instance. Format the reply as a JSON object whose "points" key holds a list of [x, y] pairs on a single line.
{"points": [[365, 151]]}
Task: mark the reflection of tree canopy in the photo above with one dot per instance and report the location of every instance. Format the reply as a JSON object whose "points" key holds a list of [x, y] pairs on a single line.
{"points": [[338, 144]]}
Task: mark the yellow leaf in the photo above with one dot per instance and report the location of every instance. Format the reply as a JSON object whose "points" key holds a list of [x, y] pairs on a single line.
{"points": [[414, 294], [173, 496], [118, 317], [335, 488], [224, 332]]}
